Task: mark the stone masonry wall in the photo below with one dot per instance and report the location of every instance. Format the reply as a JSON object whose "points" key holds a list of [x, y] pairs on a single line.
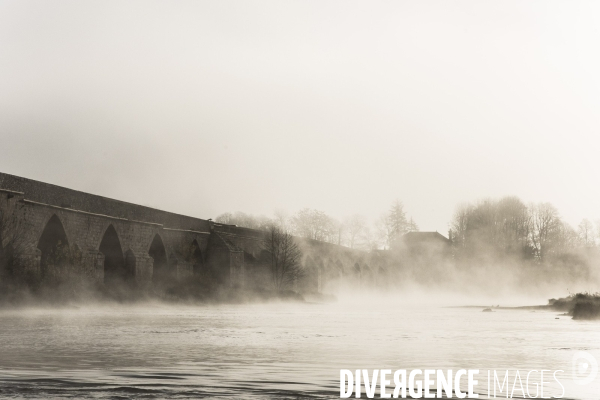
{"points": [[235, 255], [85, 232], [67, 198]]}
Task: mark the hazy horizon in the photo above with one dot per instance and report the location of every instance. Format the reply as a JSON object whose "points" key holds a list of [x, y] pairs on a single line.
{"points": [[200, 108]]}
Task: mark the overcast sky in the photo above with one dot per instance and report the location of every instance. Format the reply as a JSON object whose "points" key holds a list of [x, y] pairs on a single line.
{"points": [[203, 107]]}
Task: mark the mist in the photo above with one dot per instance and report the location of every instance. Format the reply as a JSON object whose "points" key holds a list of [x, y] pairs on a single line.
{"points": [[241, 199], [339, 107]]}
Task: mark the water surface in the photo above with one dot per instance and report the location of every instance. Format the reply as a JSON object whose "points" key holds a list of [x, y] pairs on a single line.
{"points": [[270, 351]]}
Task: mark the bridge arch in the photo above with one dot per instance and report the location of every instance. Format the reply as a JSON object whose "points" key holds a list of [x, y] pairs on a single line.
{"points": [[197, 258], [130, 263], [161, 273], [115, 270], [53, 244]]}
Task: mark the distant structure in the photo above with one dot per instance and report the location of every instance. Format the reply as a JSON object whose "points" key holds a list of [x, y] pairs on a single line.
{"points": [[425, 256], [418, 242], [114, 242]]}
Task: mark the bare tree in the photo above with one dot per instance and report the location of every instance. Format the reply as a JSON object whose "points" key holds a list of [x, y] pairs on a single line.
{"points": [[367, 240], [355, 230], [546, 226], [566, 239], [585, 231], [225, 218], [460, 225], [385, 231], [315, 224], [285, 258], [281, 219], [514, 223], [502, 228]]}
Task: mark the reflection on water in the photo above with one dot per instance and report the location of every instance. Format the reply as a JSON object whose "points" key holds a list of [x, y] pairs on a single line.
{"points": [[275, 350]]}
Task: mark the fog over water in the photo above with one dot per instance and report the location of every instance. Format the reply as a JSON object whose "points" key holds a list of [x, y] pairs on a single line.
{"points": [[303, 111], [203, 107], [272, 350]]}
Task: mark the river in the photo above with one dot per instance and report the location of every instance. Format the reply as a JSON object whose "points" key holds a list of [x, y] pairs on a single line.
{"points": [[274, 350]]}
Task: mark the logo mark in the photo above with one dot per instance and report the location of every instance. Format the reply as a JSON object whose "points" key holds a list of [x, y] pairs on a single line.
{"points": [[585, 368]]}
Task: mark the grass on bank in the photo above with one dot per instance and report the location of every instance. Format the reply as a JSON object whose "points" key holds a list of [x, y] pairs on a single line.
{"points": [[585, 305]]}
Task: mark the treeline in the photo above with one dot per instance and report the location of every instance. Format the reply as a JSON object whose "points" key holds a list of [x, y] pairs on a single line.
{"points": [[492, 241], [509, 228], [529, 243], [354, 231], [490, 228]]}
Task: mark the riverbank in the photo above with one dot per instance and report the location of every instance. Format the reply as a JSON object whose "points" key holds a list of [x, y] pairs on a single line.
{"points": [[580, 306]]}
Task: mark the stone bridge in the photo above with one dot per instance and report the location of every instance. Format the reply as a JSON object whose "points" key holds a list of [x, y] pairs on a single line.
{"points": [[111, 242]]}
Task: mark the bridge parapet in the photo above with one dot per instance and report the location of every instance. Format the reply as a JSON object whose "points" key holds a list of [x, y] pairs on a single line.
{"points": [[109, 238]]}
